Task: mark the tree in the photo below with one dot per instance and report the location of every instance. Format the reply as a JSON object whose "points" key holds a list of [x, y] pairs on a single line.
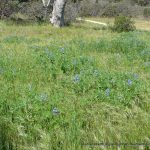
{"points": [[57, 18]]}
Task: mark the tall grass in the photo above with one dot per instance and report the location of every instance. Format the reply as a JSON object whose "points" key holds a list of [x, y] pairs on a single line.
{"points": [[61, 91]]}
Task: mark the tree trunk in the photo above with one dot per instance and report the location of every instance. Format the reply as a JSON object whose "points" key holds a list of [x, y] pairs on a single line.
{"points": [[57, 18]]}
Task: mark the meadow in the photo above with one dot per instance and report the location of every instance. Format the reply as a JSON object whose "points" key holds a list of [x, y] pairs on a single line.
{"points": [[64, 89]]}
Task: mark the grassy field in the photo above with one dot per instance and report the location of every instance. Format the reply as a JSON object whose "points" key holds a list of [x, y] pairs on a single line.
{"points": [[65, 88]]}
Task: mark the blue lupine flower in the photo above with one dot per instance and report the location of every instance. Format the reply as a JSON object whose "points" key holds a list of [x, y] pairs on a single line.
{"points": [[62, 50], [76, 78], [129, 82], [136, 76], [55, 111], [96, 73], [107, 92], [49, 53], [43, 97]]}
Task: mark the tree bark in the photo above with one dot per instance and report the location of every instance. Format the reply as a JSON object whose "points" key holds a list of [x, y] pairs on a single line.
{"points": [[57, 18]]}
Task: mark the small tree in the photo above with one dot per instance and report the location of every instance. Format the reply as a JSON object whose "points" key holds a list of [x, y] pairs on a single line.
{"points": [[123, 24]]}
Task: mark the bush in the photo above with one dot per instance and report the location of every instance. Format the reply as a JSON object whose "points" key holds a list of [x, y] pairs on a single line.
{"points": [[34, 11], [123, 24], [107, 8], [19, 18], [71, 12], [146, 12], [110, 11], [141, 2], [89, 8], [7, 8]]}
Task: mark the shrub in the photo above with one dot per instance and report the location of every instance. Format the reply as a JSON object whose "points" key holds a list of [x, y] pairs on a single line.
{"points": [[146, 12], [123, 24], [71, 12], [7, 8], [89, 8], [18, 17], [141, 2], [34, 10], [110, 11]]}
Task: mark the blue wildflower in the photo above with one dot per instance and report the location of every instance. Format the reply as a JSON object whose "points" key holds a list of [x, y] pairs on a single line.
{"points": [[136, 76], [62, 50], [49, 53], [129, 82], [76, 78], [55, 111], [107, 92], [43, 97], [96, 73]]}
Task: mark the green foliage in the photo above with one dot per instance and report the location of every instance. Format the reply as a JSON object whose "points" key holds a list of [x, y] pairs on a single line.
{"points": [[59, 94], [123, 24], [128, 42]]}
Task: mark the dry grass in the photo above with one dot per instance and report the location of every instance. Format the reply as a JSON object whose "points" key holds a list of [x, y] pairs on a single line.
{"points": [[141, 24]]}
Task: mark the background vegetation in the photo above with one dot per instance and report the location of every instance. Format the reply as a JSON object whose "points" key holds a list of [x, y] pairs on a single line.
{"points": [[31, 11]]}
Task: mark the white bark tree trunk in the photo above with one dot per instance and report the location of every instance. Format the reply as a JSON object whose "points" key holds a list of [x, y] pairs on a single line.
{"points": [[57, 18]]}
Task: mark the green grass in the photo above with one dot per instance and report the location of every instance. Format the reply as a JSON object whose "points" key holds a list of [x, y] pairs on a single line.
{"points": [[99, 82]]}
